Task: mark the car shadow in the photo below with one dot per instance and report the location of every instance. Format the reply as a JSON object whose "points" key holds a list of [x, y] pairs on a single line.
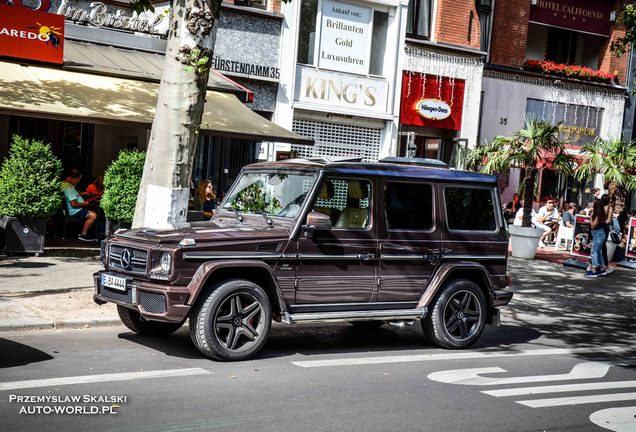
{"points": [[177, 344], [14, 354]]}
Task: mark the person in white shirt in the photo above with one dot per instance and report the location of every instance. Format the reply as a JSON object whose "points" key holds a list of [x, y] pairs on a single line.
{"points": [[547, 219]]}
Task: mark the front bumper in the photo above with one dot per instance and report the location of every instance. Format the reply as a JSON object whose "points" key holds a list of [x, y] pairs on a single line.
{"points": [[153, 301]]}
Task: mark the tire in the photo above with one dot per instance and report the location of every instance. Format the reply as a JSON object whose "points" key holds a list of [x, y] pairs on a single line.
{"points": [[232, 322], [371, 324], [133, 320], [457, 315]]}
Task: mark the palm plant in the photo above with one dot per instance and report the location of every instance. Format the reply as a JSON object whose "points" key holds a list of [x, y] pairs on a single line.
{"points": [[615, 159], [537, 141]]}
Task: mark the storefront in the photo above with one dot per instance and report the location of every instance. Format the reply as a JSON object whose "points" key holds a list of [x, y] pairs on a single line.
{"points": [[98, 95], [338, 90], [583, 111], [440, 96]]}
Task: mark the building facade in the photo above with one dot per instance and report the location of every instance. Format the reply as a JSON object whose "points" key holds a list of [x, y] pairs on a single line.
{"points": [[534, 42]]}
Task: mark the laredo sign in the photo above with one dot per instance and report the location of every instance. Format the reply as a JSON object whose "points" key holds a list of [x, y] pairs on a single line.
{"points": [[433, 109]]}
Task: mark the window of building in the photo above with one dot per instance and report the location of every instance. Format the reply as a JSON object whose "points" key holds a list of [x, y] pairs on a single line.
{"points": [[261, 4], [408, 206], [470, 209], [561, 46], [309, 37], [418, 23]]}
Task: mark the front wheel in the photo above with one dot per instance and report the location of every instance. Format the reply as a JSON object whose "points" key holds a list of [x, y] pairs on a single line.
{"points": [[232, 322], [457, 315], [133, 320]]}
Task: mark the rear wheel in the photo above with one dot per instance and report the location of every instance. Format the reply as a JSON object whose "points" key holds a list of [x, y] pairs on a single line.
{"points": [[232, 323], [457, 315], [133, 320]]}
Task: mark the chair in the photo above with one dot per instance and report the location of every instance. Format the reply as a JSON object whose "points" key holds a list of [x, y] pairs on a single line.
{"points": [[353, 216], [326, 195], [564, 233], [68, 219]]}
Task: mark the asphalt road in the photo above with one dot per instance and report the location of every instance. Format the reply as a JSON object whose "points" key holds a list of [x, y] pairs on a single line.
{"points": [[315, 378]]}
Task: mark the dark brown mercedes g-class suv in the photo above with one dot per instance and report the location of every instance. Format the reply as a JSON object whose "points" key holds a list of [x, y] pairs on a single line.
{"points": [[318, 241]]}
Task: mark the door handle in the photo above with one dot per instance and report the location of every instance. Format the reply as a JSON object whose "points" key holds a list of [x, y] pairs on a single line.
{"points": [[365, 256]]}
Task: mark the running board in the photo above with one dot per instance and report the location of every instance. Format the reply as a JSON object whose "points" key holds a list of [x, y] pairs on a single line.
{"points": [[358, 315]]}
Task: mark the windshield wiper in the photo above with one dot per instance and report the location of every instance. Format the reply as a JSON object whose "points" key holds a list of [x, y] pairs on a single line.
{"points": [[268, 220], [238, 215]]}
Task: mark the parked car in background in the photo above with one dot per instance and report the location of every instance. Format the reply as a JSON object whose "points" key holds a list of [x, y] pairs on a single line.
{"points": [[301, 241]]}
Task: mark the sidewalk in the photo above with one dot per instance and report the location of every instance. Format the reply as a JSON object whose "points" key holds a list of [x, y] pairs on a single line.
{"points": [[56, 290]]}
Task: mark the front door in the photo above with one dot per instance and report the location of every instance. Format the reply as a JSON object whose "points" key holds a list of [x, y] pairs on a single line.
{"points": [[340, 266]]}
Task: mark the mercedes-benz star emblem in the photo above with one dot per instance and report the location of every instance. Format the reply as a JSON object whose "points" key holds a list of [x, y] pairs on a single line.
{"points": [[126, 258]]}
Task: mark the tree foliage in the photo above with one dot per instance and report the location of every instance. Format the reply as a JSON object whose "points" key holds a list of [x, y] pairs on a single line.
{"points": [[30, 180], [628, 19], [121, 184], [537, 141]]}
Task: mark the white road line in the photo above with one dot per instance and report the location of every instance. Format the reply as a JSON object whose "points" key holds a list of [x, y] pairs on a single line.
{"points": [[586, 370], [578, 400], [616, 419], [85, 379], [455, 356], [561, 388]]}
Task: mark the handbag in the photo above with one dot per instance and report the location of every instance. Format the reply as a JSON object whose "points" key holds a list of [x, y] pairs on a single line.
{"points": [[614, 237]]}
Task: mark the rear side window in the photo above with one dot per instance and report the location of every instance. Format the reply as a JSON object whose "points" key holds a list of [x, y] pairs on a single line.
{"points": [[408, 206], [470, 209]]}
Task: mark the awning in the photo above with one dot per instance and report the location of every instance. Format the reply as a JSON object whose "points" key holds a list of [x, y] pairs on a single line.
{"points": [[66, 95]]}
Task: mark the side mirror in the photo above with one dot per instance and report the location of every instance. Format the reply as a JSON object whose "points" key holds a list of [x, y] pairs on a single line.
{"points": [[316, 222]]}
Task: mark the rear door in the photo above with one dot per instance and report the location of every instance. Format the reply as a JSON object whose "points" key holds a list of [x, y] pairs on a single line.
{"points": [[409, 239]]}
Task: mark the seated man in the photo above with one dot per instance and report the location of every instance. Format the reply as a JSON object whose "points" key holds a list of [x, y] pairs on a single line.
{"points": [[547, 219], [568, 216], [75, 203]]}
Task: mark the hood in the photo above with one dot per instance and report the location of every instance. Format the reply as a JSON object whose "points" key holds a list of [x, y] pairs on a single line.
{"points": [[220, 230]]}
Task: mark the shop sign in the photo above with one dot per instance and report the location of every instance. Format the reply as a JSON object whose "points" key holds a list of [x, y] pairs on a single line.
{"points": [[630, 246], [432, 101], [433, 109], [582, 241], [99, 15], [590, 16], [345, 39], [579, 124], [343, 91], [32, 35], [244, 68]]}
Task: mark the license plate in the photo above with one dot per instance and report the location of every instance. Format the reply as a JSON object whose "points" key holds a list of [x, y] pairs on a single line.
{"points": [[115, 282]]}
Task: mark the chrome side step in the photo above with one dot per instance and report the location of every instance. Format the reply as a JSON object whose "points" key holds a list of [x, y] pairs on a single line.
{"points": [[358, 315]]}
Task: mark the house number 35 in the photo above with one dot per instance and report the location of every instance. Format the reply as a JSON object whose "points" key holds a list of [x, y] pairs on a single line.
{"points": [[503, 121]]}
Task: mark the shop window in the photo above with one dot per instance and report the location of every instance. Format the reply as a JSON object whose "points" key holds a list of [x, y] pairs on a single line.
{"points": [[378, 42], [418, 23], [408, 206], [470, 209]]}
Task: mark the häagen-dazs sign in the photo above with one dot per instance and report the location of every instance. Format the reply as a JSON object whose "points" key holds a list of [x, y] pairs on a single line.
{"points": [[345, 38], [433, 109]]}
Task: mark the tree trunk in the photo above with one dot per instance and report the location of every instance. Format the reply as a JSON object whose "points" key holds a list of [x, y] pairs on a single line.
{"points": [[165, 185], [528, 196]]}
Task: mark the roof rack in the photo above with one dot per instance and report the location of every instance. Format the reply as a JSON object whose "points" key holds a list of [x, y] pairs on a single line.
{"points": [[327, 159], [415, 161]]}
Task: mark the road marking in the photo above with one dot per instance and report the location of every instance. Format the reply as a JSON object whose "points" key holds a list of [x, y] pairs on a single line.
{"points": [[616, 419], [456, 356], [560, 388], [471, 376], [85, 379], [578, 400]]}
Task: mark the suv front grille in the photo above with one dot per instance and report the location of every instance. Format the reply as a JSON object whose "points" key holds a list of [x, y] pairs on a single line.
{"points": [[128, 259], [152, 302]]}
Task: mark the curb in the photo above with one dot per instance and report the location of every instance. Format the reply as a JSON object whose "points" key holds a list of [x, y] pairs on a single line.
{"points": [[61, 324], [34, 293]]}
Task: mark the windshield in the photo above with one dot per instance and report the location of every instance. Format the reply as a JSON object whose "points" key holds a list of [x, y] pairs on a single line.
{"points": [[276, 194]]}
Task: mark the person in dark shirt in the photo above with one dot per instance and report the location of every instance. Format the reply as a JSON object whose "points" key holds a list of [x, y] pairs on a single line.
{"points": [[568, 215], [205, 198]]}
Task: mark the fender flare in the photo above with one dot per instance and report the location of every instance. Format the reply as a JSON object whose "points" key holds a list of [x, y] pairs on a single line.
{"points": [[441, 275], [208, 268]]}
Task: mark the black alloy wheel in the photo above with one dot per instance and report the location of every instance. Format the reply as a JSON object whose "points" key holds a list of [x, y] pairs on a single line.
{"points": [[457, 315]]}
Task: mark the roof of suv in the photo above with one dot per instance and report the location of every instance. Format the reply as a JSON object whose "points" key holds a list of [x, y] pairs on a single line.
{"points": [[377, 169]]}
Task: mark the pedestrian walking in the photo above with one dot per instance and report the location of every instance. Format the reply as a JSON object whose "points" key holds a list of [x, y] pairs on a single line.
{"points": [[598, 266]]}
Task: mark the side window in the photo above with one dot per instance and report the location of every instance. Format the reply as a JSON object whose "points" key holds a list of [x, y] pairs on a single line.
{"points": [[470, 209], [408, 206], [346, 202]]}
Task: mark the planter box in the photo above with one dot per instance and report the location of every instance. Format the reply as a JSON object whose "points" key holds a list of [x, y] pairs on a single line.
{"points": [[524, 241], [112, 226], [22, 235]]}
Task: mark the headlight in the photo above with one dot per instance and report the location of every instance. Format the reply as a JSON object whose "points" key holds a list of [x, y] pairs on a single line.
{"points": [[166, 263]]}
